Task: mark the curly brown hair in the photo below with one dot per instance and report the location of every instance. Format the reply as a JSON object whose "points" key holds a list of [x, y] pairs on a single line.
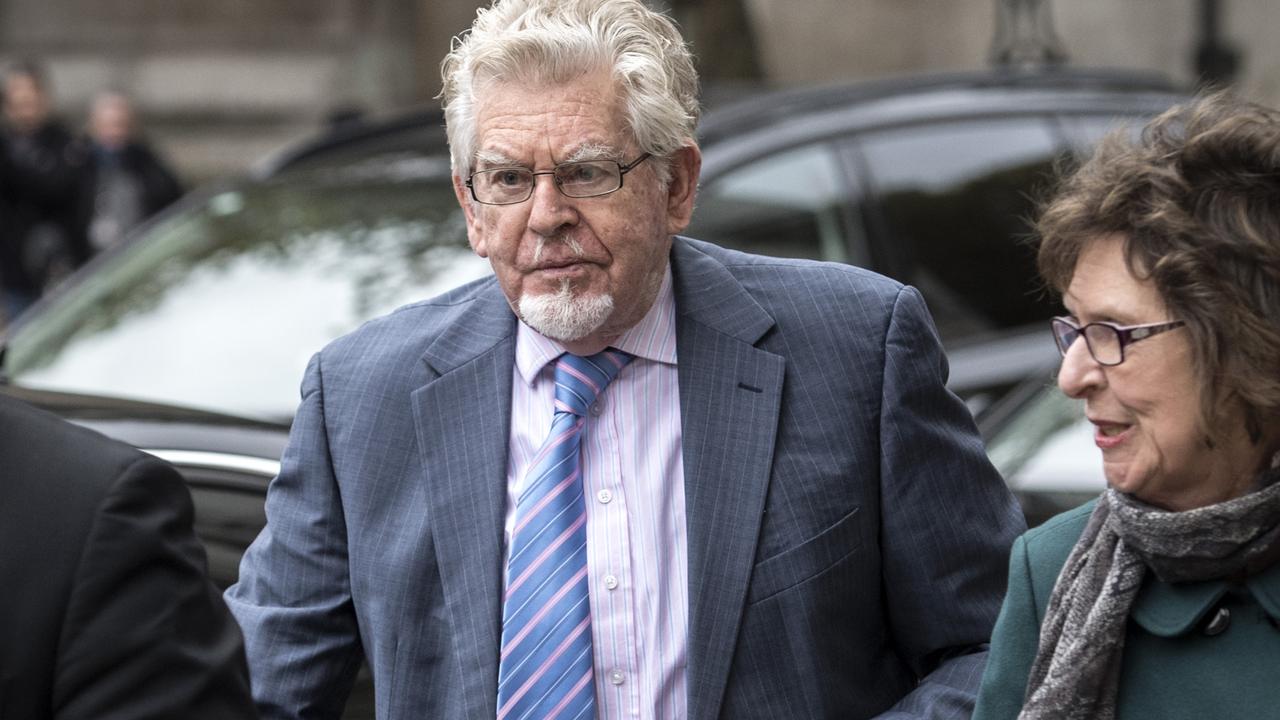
{"points": [[1197, 201]]}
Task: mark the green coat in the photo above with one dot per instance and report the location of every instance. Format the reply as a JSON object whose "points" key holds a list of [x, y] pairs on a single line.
{"points": [[1174, 666]]}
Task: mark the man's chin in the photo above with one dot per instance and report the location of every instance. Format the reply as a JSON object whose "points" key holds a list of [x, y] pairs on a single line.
{"points": [[564, 315]]}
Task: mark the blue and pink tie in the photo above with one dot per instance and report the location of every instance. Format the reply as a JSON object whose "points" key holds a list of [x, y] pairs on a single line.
{"points": [[546, 664]]}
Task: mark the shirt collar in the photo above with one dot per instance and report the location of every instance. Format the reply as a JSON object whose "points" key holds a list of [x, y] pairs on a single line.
{"points": [[1265, 587], [653, 338], [1171, 609]]}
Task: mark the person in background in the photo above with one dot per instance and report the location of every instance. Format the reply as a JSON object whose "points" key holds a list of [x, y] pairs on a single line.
{"points": [[1161, 599], [42, 241], [11, 302], [105, 607], [123, 181], [630, 474]]}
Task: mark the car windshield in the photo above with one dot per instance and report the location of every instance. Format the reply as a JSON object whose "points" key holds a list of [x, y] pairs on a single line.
{"points": [[1047, 445], [218, 306]]}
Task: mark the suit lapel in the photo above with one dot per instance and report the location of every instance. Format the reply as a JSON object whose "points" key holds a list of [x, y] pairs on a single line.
{"points": [[730, 398], [463, 422]]}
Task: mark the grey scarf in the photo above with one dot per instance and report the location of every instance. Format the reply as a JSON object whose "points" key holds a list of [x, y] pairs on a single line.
{"points": [[1076, 672]]}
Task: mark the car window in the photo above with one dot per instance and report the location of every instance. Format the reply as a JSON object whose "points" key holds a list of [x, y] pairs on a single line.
{"points": [[1046, 453], [790, 204], [1084, 131], [220, 306], [1047, 444], [954, 199]]}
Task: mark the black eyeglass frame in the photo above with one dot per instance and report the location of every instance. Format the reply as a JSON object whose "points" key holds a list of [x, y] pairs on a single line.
{"points": [[623, 169], [1125, 335]]}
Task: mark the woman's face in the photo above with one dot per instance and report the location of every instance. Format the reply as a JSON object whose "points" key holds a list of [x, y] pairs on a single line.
{"points": [[1145, 411]]}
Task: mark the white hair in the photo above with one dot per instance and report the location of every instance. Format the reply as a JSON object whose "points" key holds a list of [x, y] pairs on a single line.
{"points": [[555, 41], [564, 316]]}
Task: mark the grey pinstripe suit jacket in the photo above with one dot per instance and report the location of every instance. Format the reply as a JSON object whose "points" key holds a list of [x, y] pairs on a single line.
{"points": [[847, 537]]}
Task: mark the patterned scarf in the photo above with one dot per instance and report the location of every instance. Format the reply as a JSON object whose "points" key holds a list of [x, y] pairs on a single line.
{"points": [[1076, 672]]}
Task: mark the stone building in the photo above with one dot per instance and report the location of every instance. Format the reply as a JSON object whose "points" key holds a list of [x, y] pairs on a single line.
{"points": [[223, 83]]}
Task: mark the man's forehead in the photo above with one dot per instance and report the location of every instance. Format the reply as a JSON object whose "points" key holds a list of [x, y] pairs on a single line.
{"points": [[498, 153], [516, 139], [520, 118]]}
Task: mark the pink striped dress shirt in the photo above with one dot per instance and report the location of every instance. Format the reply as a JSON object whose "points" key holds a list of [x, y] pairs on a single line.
{"points": [[634, 484]]}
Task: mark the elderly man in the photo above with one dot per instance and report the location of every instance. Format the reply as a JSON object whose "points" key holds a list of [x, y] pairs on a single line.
{"points": [[632, 474]]}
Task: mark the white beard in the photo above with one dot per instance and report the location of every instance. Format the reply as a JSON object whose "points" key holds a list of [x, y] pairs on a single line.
{"points": [[563, 316]]}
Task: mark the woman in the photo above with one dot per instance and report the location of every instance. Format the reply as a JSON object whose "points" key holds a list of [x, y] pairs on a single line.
{"points": [[1161, 599]]}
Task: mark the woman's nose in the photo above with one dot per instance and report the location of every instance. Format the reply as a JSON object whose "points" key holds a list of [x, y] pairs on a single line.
{"points": [[1079, 373]]}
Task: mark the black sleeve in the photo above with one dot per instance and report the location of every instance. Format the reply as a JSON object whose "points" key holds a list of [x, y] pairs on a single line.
{"points": [[160, 186], [45, 169], [146, 632], [5, 171]]}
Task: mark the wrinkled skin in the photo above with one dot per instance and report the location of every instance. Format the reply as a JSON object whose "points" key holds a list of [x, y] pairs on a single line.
{"points": [[616, 244]]}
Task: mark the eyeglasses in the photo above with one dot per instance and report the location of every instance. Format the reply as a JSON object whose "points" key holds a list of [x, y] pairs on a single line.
{"points": [[1106, 341], [588, 178]]}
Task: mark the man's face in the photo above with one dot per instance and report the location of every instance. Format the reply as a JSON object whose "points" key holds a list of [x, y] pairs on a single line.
{"points": [[25, 104], [560, 260], [111, 122]]}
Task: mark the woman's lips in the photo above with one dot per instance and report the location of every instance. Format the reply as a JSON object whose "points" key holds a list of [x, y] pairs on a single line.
{"points": [[1108, 434]]}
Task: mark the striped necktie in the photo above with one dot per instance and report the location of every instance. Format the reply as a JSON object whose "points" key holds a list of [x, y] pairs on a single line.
{"points": [[546, 665]]}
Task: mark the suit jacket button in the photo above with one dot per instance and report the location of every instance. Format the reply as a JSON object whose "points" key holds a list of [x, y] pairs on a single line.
{"points": [[1218, 623]]}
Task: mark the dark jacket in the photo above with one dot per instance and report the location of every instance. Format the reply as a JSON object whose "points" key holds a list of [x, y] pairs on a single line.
{"points": [[157, 184], [1192, 650], [41, 191], [105, 609]]}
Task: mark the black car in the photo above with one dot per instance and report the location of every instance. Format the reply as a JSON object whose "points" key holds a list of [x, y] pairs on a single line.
{"points": [[189, 341], [930, 181]]}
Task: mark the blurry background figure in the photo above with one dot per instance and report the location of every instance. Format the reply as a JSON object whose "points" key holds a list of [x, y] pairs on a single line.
{"points": [[40, 242], [123, 181]]}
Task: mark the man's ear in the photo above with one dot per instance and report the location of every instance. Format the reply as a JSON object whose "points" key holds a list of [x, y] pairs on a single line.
{"points": [[686, 166], [474, 235]]}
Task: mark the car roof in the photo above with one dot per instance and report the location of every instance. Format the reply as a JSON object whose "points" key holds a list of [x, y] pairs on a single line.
{"points": [[830, 108], [772, 122], [419, 130], [779, 106]]}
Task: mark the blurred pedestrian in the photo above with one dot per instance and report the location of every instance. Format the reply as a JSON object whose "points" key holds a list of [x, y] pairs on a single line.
{"points": [[123, 181], [106, 610], [41, 242], [1166, 602], [6, 222]]}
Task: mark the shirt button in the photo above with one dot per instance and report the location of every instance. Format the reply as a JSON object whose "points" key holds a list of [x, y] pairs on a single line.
{"points": [[1218, 623], [610, 582], [595, 409], [617, 677], [604, 496]]}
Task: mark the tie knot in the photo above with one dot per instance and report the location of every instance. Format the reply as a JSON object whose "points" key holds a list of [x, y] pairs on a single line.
{"points": [[579, 380]]}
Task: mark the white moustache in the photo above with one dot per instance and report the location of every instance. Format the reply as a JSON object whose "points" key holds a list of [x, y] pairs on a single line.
{"points": [[574, 246]]}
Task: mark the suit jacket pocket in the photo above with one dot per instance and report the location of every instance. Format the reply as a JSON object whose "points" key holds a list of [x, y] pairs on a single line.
{"points": [[806, 560]]}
